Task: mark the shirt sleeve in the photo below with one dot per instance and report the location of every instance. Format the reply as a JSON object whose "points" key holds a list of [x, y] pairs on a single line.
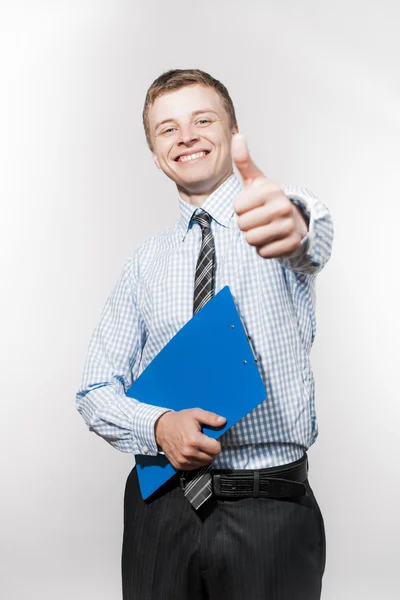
{"points": [[111, 366], [316, 246]]}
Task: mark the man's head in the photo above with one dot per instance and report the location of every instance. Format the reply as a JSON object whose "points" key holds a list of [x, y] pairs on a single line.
{"points": [[189, 120]]}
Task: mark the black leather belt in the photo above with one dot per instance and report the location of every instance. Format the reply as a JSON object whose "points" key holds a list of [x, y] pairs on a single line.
{"points": [[284, 481]]}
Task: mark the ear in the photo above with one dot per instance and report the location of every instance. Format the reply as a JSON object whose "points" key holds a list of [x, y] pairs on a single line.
{"points": [[156, 160], [235, 129]]}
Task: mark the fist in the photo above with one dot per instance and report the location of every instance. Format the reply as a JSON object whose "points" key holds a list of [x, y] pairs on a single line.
{"points": [[180, 437], [271, 222]]}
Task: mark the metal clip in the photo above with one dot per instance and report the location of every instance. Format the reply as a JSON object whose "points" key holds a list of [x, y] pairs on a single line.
{"points": [[249, 340]]}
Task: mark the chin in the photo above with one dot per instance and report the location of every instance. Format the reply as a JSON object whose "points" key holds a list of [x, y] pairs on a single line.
{"points": [[199, 183]]}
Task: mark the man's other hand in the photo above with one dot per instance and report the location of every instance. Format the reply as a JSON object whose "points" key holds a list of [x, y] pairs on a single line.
{"points": [[180, 437]]}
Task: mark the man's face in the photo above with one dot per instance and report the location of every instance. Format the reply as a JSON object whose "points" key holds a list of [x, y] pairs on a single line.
{"points": [[192, 138]]}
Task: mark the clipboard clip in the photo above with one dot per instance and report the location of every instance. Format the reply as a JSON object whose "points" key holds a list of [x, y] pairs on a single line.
{"points": [[248, 338]]}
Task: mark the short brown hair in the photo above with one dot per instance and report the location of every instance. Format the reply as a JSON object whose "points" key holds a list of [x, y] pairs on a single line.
{"points": [[179, 78]]}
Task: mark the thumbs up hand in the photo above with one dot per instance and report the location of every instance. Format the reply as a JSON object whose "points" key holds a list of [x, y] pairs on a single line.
{"points": [[271, 222]]}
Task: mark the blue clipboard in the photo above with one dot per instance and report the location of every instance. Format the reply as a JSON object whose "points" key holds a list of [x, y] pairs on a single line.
{"points": [[213, 346]]}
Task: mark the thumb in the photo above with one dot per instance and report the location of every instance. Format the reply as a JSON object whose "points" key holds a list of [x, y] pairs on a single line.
{"points": [[241, 157], [206, 417]]}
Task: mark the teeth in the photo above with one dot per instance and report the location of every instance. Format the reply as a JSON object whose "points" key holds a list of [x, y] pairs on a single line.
{"points": [[191, 156]]}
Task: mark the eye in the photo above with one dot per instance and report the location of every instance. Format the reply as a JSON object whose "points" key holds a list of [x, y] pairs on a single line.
{"points": [[168, 130], [203, 121]]}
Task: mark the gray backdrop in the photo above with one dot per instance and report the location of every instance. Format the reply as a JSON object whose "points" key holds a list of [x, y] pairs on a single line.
{"points": [[317, 88]]}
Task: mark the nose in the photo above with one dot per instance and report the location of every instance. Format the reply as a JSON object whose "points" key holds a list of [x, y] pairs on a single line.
{"points": [[187, 136]]}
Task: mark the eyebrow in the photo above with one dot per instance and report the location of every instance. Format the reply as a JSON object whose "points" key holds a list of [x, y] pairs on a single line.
{"points": [[194, 113]]}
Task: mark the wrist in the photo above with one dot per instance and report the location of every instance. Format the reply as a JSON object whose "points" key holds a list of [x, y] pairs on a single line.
{"points": [[301, 221], [159, 427], [302, 215]]}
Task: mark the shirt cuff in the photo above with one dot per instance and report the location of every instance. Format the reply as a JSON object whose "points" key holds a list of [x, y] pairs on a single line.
{"points": [[144, 421], [307, 213]]}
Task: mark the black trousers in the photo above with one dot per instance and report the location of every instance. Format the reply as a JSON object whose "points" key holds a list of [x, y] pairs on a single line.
{"points": [[244, 549]]}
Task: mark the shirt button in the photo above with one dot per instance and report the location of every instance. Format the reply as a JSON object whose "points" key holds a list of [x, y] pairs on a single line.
{"points": [[145, 449]]}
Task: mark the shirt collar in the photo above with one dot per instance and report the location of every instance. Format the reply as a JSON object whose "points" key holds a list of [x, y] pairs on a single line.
{"points": [[218, 204]]}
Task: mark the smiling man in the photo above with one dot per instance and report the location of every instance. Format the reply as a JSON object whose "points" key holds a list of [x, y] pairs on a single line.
{"points": [[202, 163], [261, 533]]}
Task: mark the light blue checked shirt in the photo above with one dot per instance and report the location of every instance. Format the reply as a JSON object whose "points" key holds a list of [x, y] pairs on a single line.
{"points": [[153, 299]]}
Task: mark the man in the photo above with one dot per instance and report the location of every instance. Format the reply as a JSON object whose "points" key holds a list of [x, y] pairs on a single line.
{"points": [[194, 539]]}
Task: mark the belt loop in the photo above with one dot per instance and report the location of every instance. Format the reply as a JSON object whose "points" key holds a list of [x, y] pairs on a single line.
{"points": [[216, 480], [256, 487]]}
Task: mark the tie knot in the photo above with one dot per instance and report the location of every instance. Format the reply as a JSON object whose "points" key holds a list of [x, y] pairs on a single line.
{"points": [[203, 219]]}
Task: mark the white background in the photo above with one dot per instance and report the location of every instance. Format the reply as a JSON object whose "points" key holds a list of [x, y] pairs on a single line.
{"points": [[316, 87]]}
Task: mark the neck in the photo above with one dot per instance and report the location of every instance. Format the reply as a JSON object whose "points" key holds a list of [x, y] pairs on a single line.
{"points": [[197, 197]]}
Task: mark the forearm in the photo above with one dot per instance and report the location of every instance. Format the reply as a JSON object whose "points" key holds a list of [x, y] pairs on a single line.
{"points": [[123, 422], [112, 365]]}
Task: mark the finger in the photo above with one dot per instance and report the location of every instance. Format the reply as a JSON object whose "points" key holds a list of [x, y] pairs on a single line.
{"points": [[282, 247], [194, 463], [208, 445], [251, 198], [265, 234], [273, 210], [188, 463], [241, 157], [202, 453], [206, 417], [254, 218]]}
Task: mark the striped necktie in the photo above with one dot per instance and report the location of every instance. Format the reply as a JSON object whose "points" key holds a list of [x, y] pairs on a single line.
{"points": [[198, 482]]}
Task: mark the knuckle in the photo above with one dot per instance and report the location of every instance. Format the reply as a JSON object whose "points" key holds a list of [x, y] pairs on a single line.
{"points": [[178, 462], [215, 444], [241, 222], [288, 205], [269, 186], [191, 441], [293, 244], [249, 236], [283, 210], [289, 227], [262, 188], [296, 240], [266, 212], [187, 452]]}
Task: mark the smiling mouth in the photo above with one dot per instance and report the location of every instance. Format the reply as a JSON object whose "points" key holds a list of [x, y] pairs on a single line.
{"points": [[192, 157]]}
